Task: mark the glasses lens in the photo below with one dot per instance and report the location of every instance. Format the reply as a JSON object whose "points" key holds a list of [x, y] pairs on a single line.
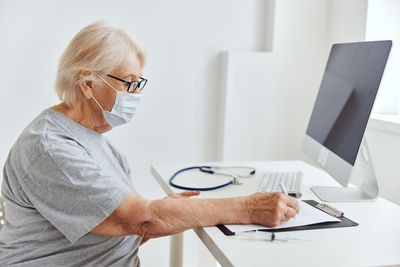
{"points": [[133, 87], [142, 84]]}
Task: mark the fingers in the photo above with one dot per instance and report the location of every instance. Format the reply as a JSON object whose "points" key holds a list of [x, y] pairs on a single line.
{"points": [[285, 212], [190, 193], [293, 204], [287, 206], [183, 194], [289, 213]]}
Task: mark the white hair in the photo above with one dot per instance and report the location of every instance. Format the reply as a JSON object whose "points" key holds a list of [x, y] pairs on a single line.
{"points": [[97, 47]]}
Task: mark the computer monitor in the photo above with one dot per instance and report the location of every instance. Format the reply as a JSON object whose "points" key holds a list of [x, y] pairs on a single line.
{"points": [[340, 115]]}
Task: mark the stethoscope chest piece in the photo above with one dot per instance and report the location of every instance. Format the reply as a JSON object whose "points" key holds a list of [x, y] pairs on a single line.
{"points": [[236, 180]]}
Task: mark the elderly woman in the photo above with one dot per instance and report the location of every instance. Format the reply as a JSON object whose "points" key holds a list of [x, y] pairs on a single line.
{"points": [[68, 192]]}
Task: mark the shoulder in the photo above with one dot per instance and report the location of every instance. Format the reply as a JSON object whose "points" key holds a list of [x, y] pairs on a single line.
{"points": [[49, 132], [42, 136]]}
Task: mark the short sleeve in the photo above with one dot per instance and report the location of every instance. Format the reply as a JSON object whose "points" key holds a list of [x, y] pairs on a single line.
{"points": [[121, 159], [71, 190]]}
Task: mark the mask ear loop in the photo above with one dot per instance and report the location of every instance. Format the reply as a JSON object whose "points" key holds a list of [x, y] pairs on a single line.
{"points": [[108, 85], [106, 82], [97, 103]]}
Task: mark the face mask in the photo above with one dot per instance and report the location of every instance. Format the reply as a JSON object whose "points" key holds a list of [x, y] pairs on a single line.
{"points": [[124, 107]]}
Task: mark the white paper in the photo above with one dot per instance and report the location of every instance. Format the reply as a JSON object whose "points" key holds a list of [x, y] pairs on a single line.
{"points": [[306, 216]]}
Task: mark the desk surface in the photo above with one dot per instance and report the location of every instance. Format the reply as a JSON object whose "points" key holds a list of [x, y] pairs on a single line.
{"points": [[375, 242]]}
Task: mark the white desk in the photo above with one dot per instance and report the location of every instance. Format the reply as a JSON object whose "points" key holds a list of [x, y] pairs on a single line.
{"points": [[375, 242]]}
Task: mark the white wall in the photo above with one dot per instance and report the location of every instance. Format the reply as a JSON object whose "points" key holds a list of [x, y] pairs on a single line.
{"points": [[384, 145], [179, 117], [383, 24], [347, 21], [269, 95], [176, 121]]}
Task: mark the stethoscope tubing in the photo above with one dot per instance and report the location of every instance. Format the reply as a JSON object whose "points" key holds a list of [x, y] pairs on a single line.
{"points": [[206, 169]]}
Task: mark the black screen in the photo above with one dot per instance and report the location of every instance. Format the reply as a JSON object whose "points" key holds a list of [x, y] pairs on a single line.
{"points": [[346, 95]]}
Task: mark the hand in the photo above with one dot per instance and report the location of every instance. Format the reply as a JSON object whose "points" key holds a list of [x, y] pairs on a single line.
{"points": [[270, 209], [184, 194]]}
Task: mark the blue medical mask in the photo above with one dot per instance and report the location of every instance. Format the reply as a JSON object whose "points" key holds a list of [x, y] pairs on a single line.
{"points": [[124, 107]]}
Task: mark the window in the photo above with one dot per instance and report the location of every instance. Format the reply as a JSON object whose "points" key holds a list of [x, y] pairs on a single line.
{"points": [[383, 23]]}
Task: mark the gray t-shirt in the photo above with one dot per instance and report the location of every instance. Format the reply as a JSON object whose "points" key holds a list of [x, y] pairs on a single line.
{"points": [[59, 182]]}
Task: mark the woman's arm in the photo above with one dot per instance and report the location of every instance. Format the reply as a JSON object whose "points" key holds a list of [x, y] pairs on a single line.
{"points": [[175, 195], [167, 216]]}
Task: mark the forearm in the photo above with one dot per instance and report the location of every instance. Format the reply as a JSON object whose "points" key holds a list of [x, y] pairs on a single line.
{"points": [[149, 219], [171, 216]]}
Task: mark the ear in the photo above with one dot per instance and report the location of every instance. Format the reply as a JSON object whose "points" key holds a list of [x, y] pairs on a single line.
{"points": [[86, 85]]}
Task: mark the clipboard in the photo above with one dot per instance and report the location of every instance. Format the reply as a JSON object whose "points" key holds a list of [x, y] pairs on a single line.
{"points": [[345, 222]]}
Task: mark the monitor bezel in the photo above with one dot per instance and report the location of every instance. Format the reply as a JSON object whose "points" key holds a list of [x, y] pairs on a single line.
{"points": [[335, 166], [329, 161]]}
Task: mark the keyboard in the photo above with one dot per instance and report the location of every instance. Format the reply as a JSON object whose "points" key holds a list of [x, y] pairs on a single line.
{"points": [[291, 180]]}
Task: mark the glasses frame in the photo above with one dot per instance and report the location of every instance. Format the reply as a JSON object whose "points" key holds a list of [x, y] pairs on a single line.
{"points": [[134, 84]]}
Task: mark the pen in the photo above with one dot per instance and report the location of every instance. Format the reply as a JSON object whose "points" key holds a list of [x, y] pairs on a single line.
{"points": [[283, 188]]}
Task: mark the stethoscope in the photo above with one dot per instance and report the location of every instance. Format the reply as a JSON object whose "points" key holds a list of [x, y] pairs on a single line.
{"points": [[214, 170]]}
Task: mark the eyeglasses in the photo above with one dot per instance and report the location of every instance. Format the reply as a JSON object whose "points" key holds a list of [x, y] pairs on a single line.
{"points": [[131, 87]]}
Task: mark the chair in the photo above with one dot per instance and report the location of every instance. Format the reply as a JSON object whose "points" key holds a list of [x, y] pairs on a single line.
{"points": [[2, 212]]}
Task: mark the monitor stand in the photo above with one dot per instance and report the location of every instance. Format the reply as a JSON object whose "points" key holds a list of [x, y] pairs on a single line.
{"points": [[368, 190]]}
